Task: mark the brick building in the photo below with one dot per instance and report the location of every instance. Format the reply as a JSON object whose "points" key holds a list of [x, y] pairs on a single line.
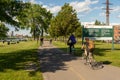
{"points": [[116, 32]]}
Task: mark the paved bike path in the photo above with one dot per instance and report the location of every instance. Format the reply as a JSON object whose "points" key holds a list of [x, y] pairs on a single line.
{"points": [[57, 65]]}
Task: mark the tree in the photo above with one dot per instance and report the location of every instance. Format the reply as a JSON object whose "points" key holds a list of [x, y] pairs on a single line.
{"points": [[65, 22], [97, 22], [78, 32], [25, 15], [36, 18], [53, 30], [3, 30], [9, 9]]}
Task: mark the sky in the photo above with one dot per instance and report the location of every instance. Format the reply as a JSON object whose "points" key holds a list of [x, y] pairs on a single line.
{"points": [[87, 10]]}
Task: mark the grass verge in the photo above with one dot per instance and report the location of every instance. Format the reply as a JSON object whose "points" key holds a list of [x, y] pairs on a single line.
{"points": [[14, 59]]}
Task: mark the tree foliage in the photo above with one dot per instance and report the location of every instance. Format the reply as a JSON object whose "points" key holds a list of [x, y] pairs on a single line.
{"points": [[37, 18], [3, 30], [25, 15], [65, 22], [9, 9], [97, 22], [53, 30], [78, 32]]}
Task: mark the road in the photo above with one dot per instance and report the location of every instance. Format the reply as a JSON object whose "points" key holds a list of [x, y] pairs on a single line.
{"points": [[58, 65]]}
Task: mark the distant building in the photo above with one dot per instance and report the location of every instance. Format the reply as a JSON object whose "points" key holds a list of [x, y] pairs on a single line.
{"points": [[87, 23], [19, 36], [116, 32], [12, 33]]}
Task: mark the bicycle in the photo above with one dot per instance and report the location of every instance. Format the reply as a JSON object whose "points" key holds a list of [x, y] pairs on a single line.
{"points": [[93, 63], [90, 60]]}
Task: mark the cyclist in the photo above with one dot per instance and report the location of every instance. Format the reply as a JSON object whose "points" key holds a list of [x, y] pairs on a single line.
{"points": [[71, 41], [89, 48]]}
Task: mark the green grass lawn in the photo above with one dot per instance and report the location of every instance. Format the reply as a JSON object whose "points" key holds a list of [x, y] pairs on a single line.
{"points": [[14, 59], [103, 52]]}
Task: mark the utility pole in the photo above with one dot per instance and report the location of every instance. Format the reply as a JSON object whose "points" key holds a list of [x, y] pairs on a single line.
{"points": [[107, 11]]}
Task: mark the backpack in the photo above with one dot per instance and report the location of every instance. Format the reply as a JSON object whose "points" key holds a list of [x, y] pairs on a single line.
{"points": [[91, 45]]}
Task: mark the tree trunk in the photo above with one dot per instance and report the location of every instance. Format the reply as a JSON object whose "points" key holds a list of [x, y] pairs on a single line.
{"points": [[34, 34], [37, 38], [42, 33]]}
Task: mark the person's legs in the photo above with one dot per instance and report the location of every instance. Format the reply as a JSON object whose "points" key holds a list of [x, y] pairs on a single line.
{"points": [[87, 57], [84, 54], [91, 51], [41, 43], [70, 47]]}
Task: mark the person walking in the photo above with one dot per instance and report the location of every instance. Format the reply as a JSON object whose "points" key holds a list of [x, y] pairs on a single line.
{"points": [[50, 41], [41, 41]]}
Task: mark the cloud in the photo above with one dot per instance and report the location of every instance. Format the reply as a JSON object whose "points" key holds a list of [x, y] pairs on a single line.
{"points": [[102, 14], [33, 1], [116, 9], [94, 1], [83, 6], [97, 8], [55, 9], [118, 16], [52, 9], [80, 6], [81, 15]]}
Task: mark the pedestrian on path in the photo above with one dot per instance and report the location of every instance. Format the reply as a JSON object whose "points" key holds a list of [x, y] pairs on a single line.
{"points": [[50, 41], [41, 41]]}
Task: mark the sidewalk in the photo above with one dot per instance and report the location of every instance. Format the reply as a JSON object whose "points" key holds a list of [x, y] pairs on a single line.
{"points": [[57, 65]]}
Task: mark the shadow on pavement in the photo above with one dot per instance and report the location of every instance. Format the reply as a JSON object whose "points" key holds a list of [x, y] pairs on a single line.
{"points": [[54, 59], [107, 62]]}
